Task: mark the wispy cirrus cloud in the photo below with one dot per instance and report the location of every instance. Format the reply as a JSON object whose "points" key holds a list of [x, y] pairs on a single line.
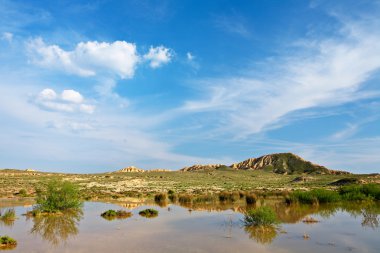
{"points": [[233, 24], [320, 73]]}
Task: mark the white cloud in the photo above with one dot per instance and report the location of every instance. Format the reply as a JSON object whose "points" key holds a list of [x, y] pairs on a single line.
{"points": [[47, 94], [7, 36], [72, 96], [190, 57], [87, 108], [88, 58], [68, 101], [323, 73], [158, 56]]}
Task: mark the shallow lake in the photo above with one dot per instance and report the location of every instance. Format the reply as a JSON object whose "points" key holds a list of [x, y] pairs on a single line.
{"points": [[197, 228]]}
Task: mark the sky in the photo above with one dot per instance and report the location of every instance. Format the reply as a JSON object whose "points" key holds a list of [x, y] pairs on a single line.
{"points": [[95, 86]]}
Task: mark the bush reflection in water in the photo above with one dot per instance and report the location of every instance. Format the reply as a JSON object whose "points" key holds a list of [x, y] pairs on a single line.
{"points": [[57, 228]]}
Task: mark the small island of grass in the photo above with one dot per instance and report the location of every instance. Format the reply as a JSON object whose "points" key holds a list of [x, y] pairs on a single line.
{"points": [[7, 242], [119, 214], [149, 213]]}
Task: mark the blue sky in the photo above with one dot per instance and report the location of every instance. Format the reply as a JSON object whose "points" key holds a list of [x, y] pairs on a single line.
{"points": [[92, 86]]}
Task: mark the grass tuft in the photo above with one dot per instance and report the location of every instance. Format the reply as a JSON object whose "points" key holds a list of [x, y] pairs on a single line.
{"points": [[149, 213], [262, 216]]}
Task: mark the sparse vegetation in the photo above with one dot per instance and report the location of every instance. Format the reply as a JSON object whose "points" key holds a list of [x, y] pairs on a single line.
{"points": [[119, 214], [149, 213], [262, 216], [58, 196]]}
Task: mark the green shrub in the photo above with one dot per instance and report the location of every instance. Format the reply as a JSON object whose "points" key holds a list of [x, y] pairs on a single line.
{"points": [[313, 197], [6, 241], [149, 213], [8, 215], [112, 214], [23, 193], [372, 190], [171, 192], [250, 198], [59, 196], [360, 192], [262, 216]]}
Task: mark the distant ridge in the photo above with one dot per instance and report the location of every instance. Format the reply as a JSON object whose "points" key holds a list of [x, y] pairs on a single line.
{"points": [[135, 169], [280, 163]]}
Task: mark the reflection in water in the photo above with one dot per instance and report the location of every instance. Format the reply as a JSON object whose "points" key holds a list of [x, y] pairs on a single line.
{"points": [[7, 222], [7, 217], [261, 234], [370, 218], [57, 228]]}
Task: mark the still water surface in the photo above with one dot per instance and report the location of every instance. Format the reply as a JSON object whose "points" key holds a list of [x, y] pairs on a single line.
{"points": [[197, 229]]}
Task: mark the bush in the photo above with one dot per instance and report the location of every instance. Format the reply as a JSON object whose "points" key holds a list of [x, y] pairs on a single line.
{"points": [[112, 214], [23, 193], [149, 213], [251, 198], [160, 197], [171, 192], [6, 241], [59, 196], [262, 216], [9, 215]]}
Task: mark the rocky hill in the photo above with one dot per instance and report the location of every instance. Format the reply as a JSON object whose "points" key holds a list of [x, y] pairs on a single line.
{"points": [[281, 163]]}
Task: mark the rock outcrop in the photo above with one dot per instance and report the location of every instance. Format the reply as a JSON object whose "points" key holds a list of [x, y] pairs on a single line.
{"points": [[198, 167], [131, 169], [283, 163]]}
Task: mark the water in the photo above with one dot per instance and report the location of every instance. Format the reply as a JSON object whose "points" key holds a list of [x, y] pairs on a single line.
{"points": [[197, 229]]}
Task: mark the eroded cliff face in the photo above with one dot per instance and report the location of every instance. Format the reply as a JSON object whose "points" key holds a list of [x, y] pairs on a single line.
{"points": [[131, 169], [283, 163]]}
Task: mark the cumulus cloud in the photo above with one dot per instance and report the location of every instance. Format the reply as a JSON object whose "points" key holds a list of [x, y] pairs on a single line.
{"points": [[93, 58], [72, 96], [67, 101], [158, 56], [88, 58]]}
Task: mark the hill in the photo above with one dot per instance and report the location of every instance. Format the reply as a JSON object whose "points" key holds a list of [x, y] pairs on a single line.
{"points": [[280, 163]]}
